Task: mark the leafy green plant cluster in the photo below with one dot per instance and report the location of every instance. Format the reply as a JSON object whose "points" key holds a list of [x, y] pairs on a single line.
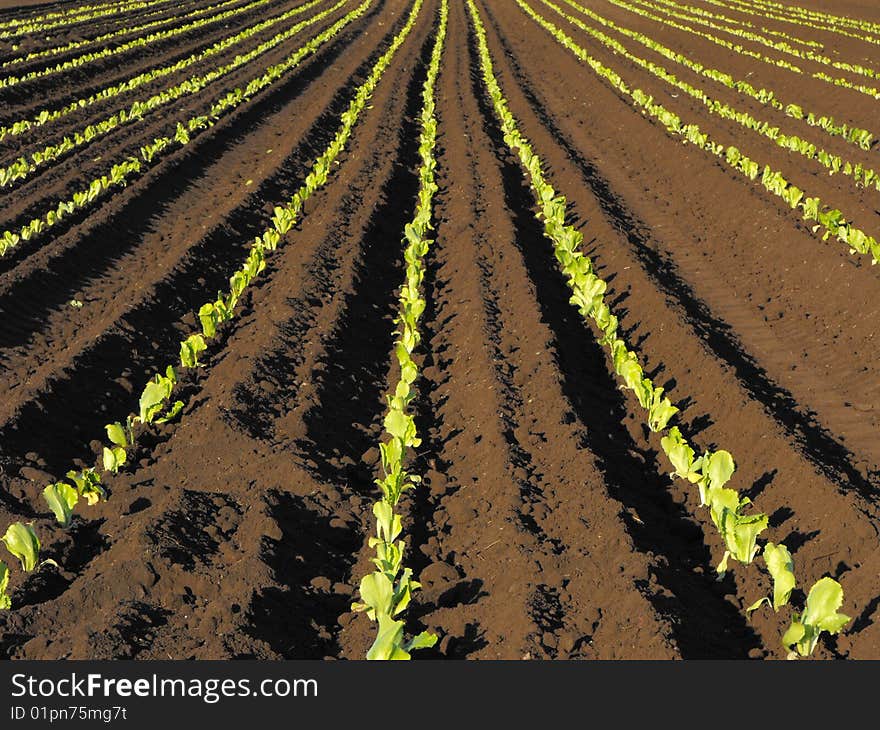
{"points": [[766, 12], [738, 526], [184, 132], [67, 14], [702, 13], [823, 17], [871, 91], [156, 402], [23, 166], [747, 25], [829, 222], [46, 22], [691, 14], [854, 135], [46, 117], [724, 43], [113, 35], [154, 406], [115, 49], [386, 591], [861, 176], [820, 614], [22, 543]]}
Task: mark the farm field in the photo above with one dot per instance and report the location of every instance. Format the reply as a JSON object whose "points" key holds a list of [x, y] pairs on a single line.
{"points": [[467, 329]]}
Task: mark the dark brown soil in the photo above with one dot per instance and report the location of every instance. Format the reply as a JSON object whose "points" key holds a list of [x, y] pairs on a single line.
{"points": [[545, 526]]}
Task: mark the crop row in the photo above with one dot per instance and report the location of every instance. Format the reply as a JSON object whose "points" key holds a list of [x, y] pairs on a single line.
{"points": [[156, 402], [748, 26], [47, 116], [386, 591], [702, 17], [830, 222], [861, 176], [736, 47], [123, 172], [871, 91], [767, 13], [141, 42], [854, 135], [737, 525], [799, 15], [114, 34], [67, 14], [23, 167], [43, 24]]}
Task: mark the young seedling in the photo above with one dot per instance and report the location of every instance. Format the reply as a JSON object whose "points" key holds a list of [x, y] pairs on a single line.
{"points": [[88, 485], [190, 349], [660, 411], [781, 567], [119, 435], [114, 459], [62, 499], [22, 541], [155, 393], [717, 468], [171, 413], [820, 614], [681, 455]]}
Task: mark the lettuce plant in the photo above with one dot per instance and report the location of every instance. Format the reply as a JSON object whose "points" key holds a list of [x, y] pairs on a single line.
{"points": [[120, 435], [62, 499], [382, 600], [820, 614], [190, 349], [681, 456], [113, 458], [155, 394], [88, 485], [781, 568], [739, 530], [22, 541]]}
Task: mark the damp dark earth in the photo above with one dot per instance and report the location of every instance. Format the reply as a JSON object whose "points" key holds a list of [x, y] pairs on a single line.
{"points": [[616, 197]]}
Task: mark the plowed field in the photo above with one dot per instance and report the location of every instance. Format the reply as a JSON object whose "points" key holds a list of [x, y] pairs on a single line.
{"points": [[546, 524]]}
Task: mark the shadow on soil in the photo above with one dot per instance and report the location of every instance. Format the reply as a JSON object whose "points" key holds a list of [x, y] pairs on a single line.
{"points": [[697, 606]]}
